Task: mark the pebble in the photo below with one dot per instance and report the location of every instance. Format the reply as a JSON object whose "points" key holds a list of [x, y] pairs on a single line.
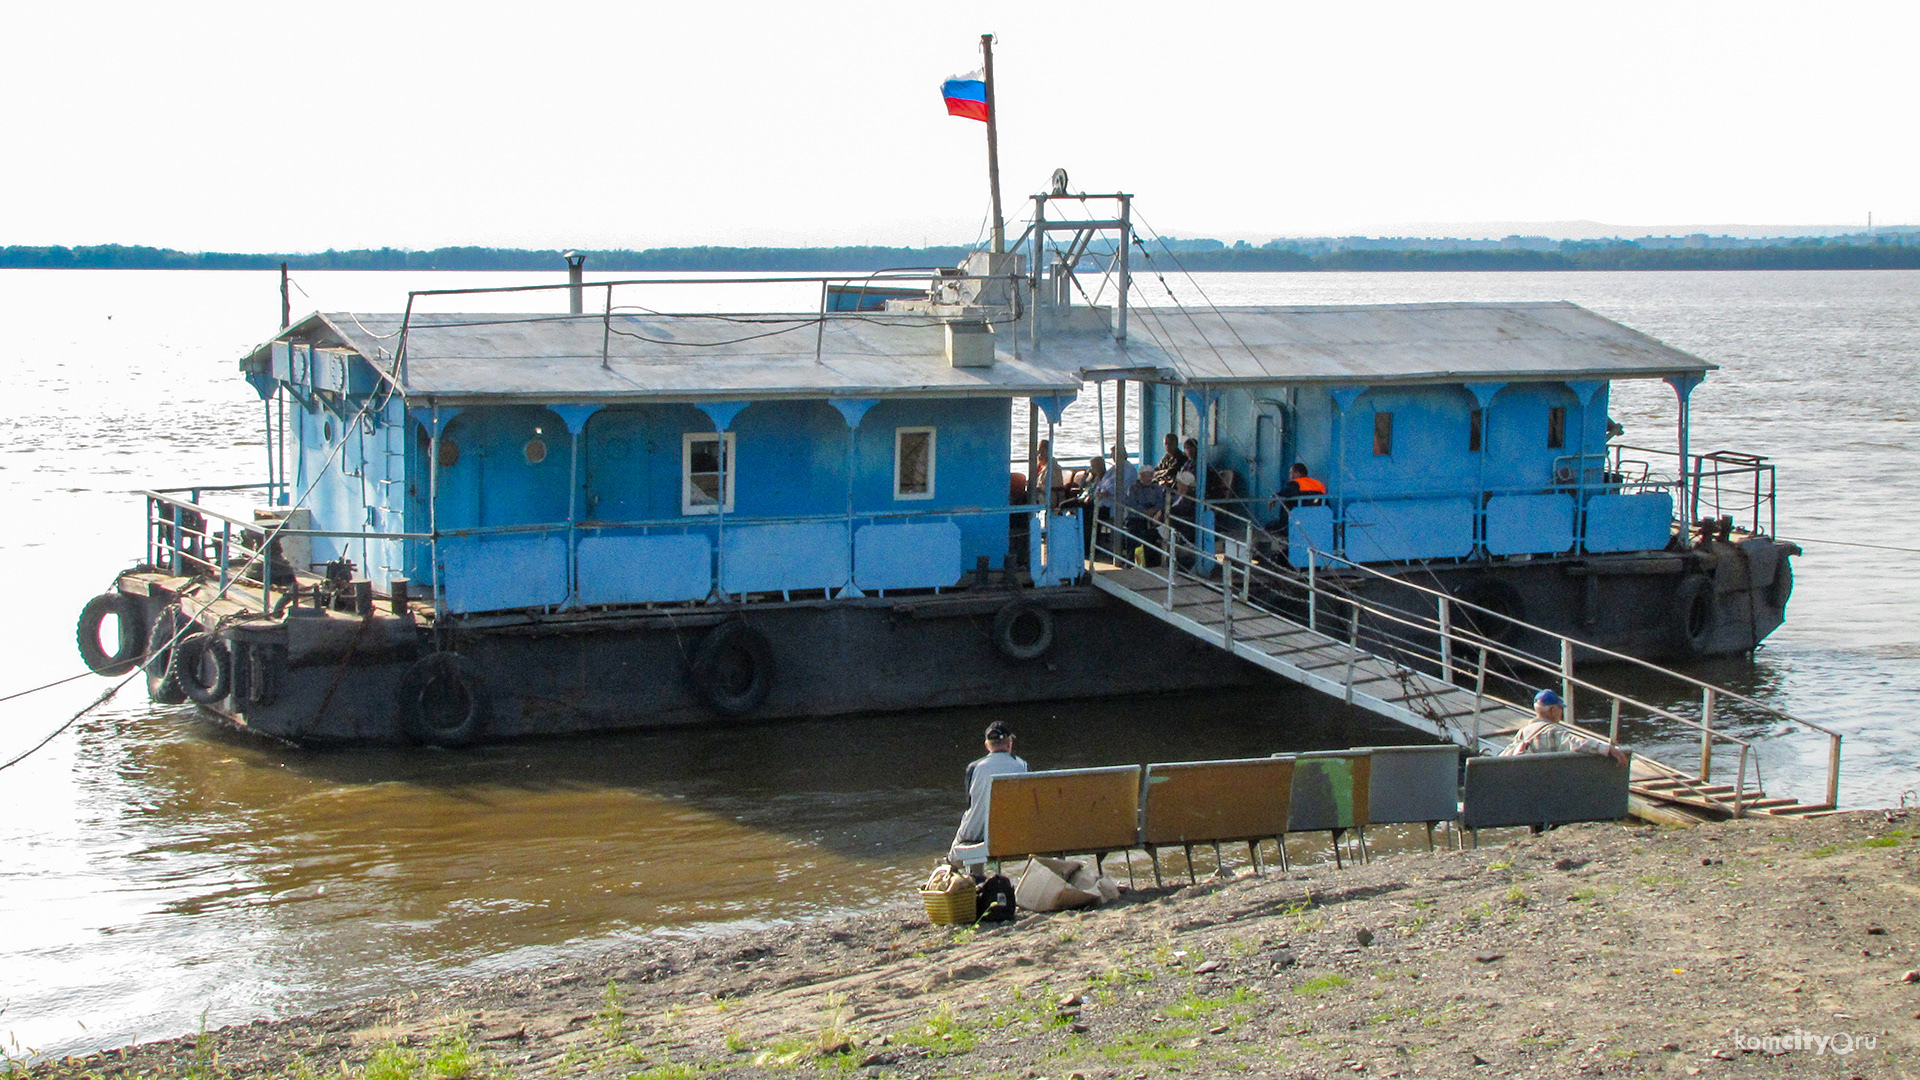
{"points": [[1488, 957], [1364, 936], [1209, 966], [1285, 958], [1910, 977]]}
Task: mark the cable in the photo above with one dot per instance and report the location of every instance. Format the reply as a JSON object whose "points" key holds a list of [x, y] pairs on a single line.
{"points": [[1849, 543], [47, 686]]}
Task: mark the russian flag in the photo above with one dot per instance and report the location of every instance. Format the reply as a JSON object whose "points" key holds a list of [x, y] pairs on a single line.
{"points": [[966, 95]]}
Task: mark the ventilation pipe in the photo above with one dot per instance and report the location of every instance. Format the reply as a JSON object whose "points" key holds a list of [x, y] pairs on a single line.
{"points": [[576, 292]]}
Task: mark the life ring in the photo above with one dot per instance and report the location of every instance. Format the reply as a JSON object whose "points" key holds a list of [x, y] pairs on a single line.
{"points": [[161, 684], [1695, 614], [132, 634], [193, 656], [443, 701], [1023, 630], [1780, 589], [733, 668], [1505, 609]]}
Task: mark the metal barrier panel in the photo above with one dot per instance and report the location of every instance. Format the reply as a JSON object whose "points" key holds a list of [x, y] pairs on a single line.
{"points": [[1530, 524], [1544, 789], [779, 558], [1330, 790], [1067, 810], [1064, 557], [1197, 802], [1403, 529], [1413, 784], [644, 569], [912, 556], [1641, 522], [499, 573], [1308, 528]]}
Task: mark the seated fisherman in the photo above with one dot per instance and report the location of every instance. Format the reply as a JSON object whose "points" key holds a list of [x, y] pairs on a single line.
{"points": [[980, 773], [1548, 733], [1172, 464]]}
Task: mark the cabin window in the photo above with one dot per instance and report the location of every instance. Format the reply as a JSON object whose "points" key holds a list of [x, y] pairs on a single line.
{"points": [[706, 472], [1557, 427], [913, 463], [1382, 434], [449, 453], [1476, 428], [535, 450]]}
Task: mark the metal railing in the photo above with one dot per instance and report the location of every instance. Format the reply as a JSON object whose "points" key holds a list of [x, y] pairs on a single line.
{"points": [[1723, 483], [1455, 643]]}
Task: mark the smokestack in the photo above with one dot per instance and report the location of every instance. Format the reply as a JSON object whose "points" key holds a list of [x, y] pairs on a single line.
{"points": [[576, 293]]}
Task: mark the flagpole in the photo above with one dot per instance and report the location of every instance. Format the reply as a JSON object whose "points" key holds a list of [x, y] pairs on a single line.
{"points": [[993, 150]]}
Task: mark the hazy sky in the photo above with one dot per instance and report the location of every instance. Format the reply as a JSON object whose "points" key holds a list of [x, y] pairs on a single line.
{"points": [[288, 126]]}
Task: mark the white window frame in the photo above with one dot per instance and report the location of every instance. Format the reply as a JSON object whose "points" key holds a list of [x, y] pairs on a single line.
{"points": [[933, 457], [727, 467]]}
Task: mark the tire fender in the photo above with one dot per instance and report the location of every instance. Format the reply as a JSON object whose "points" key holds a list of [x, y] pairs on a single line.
{"points": [[732, 669], [1023, 630], [161, 684], [442, 701], [192, 656], [1695, 614], [132, 633]]}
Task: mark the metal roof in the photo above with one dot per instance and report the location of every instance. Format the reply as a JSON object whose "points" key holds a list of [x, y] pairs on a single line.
{"points": [[1378, 344], [555, 358], [547, 357]]}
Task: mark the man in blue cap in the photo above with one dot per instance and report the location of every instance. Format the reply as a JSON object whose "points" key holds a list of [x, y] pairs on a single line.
{"points": [[1548, 733]]}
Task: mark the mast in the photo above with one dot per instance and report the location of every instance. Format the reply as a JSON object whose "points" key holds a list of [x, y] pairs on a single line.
{"points": [[993, 149]]}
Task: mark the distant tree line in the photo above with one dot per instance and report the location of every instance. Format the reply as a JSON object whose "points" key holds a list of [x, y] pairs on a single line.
{"points": [[861, 259]]}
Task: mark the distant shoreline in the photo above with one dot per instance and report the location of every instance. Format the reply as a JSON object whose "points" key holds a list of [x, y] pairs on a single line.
{"points": [[860, 260]]}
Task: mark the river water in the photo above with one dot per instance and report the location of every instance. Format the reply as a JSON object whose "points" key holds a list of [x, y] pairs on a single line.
{"points": [[155, 869]]}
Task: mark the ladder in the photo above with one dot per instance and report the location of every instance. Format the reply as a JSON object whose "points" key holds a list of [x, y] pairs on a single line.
{"points": [[1398, 663]]}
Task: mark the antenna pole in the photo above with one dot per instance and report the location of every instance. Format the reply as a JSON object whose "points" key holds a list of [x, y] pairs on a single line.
{"points": [[993, 149], [286, 300]]}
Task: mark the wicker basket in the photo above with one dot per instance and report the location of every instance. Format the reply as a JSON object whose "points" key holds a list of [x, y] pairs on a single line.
{"points": [[949, 908]]}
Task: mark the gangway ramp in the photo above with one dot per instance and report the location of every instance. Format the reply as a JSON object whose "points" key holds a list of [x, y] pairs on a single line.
{"points": [[1431, 673]]}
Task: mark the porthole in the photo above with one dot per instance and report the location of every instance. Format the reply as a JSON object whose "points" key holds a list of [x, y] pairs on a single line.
{"points": [[326, 429], [536, 451], [449, 453]]}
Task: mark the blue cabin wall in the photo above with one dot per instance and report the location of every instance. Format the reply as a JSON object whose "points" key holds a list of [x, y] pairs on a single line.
{"points": [[353, 468]]}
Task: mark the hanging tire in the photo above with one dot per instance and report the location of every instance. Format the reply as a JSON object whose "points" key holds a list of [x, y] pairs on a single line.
{"points": [[1023, 630], [443, 701], [200, 654], [132, 633], [1695, 614], [161, 684], [1505, 609], [733, 668], [1780, 589]]}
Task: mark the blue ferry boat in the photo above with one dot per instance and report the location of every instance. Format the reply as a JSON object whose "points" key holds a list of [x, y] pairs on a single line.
{"points": [[479, 526]]}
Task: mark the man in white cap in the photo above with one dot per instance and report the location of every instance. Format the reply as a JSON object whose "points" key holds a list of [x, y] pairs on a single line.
{"points": [[969, 843]]}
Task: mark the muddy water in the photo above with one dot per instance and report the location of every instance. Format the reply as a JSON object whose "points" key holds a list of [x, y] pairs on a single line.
{"points": [[153, 868]]}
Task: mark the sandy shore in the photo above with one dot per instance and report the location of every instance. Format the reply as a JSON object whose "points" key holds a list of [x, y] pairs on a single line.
{"points": [[1587, 951]]}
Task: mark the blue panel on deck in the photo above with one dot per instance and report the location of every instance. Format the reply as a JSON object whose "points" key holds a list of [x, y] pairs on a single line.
{"points": [[644, 569], [1065, 552], [906, 556], [495, 573], [1406, 529], [1308, 525], [1529, 524], [777, 558], [1639, 522]]}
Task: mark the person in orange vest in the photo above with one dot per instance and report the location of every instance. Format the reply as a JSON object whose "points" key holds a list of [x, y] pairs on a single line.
{"points": [[1299, 490]]}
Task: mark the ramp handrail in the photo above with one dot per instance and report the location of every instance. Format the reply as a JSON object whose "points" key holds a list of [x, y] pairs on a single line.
{"points": [[1392, 627]]}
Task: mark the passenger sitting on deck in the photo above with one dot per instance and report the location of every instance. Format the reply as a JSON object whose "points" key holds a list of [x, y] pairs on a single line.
{"points": [[1549, 734], [1046, 481], [1299, 490], [1085, 497], [1145, 500], [1108, 490], [1172, 464], [980, 773], [1179, 519]]}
